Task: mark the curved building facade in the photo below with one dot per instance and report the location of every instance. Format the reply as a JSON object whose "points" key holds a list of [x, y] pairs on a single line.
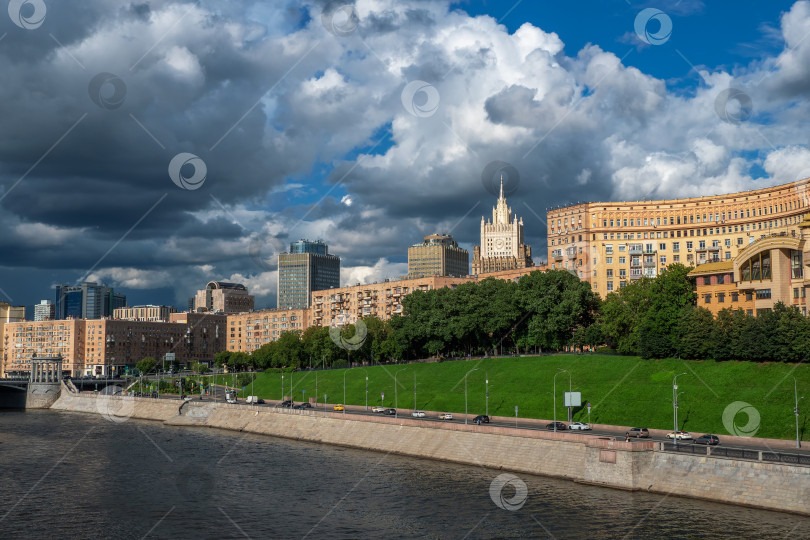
{"points": [[610, 244]]}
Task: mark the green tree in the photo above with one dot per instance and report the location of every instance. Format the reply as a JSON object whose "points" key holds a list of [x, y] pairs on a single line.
{"points": [[146, 365], [670, 292], [695, 330]]}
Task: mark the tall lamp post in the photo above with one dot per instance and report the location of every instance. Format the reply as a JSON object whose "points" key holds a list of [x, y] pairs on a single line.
{"points": [[487, 393], [675, 403], [796, 409], [396, 398], [282, 387], [555, 394], [465, 393]]}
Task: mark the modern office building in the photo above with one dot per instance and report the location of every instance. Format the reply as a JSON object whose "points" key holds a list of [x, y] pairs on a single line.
{"points": [[438, 255], [144, 313], [249, 331], [502, 246], [87, 301], [44, 311], [106, 347], [610, 244], [764, 272], [222, 297], [308, 267]]}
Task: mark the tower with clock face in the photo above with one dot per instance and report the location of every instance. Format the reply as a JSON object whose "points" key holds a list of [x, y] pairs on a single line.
{"points": [[502, 246]]}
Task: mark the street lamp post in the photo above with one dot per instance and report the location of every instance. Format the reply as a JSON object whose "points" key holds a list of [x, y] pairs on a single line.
{"points": [[675, 403], [344, 390], [396, 397], [414, 390], [555, 394], [465, 393], [282, 387], [796, 409], [366, 391], [487, 393]]}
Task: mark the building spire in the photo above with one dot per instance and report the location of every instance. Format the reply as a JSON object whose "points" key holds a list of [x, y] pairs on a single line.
{"points": [[501, 197]]}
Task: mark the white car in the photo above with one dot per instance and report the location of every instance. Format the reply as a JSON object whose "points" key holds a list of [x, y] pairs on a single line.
{"points": [[377, 409], [445, 416], [679, 436], [418, 414], [581, 426]]}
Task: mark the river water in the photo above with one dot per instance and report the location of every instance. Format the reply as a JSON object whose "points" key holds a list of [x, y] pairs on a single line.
{"points": [[70, 475]]}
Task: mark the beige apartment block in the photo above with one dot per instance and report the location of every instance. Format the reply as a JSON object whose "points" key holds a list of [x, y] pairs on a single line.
{"points": [[249, 331], [222, 297], [337, 307], [144, 313], [8, 313], [22, 340], [610, 244]]}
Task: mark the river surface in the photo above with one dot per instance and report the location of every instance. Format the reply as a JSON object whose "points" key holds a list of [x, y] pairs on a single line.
{"points": [[71, 475]]}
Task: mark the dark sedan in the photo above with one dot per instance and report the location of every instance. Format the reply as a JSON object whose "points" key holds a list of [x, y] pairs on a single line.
{"points": [[560, 426], [287, 404], [481, 419], [390, 412], [708, 440]]}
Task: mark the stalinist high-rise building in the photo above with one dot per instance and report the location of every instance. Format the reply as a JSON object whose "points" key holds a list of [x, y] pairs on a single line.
{"points": [[502, 246]]}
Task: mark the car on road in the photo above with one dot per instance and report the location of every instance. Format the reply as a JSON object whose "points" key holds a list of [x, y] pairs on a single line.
{"points": [[679, 436], [390, 412], [638, 432], [260, 401], [306, 405], [299, 406], [560, 426], [481, 419], [445, 416], [338, 407], [581, 426], [708, 440], [286, 404], [418, 414], [377, 409]]}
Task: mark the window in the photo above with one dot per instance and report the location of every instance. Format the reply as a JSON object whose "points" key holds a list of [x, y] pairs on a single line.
{"points": [[707, 280], [689, 245], [728, 242], [721, 279], [622, 247], [749, 296], [609, 249], [622, 260], [676, 246], [662, 246], [795, 264], [702, 244], [707, 298], [622, 273], [609, 273], [757, 267], [735, 296], [609, 286], [763, 294], [721, 298], [663, 259], [795, 292], [676, 258]]}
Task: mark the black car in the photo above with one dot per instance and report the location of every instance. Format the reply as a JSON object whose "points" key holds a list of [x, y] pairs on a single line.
{"points": [[306, 405], [560, 426], [481, 419], [390, 412], [260, 401], [707, 439], [299, 406], [286, 404]]}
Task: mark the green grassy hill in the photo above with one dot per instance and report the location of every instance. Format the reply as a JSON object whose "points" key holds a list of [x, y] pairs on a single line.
{"points": [[622, 390]]}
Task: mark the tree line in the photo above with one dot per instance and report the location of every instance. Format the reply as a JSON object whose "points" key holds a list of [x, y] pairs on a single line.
{"points": [[543, 312]]}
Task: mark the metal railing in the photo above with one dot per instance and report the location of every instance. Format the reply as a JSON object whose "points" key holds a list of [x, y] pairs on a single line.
{"points": [[737, 453]]}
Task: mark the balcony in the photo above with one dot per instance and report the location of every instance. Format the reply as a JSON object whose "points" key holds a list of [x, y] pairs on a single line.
{"points": [[649, 264], [571, 253], [635, 249], [557, 254], [635, 263]]}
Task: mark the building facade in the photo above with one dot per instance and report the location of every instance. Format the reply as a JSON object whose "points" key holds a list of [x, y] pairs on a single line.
{"points": [[308, 267], [222, 297], [612, 244], [87, 301], [144, 313], [344, 305], [438, 255], [8, 314], [767, 271], [107, 347], [502, 246], [44, 311], [249, 331]]}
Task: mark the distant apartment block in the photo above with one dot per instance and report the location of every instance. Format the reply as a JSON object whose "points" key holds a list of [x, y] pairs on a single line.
{"points": [[249, 331], [345, 305], [223, 297], [8, 314], [106, 347], [438, 255], [44, 311], [308, 267], [87, 301], [145, 313]]}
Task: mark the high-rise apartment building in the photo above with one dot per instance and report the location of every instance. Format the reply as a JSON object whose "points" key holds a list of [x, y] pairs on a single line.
{"points": [[502, 246], [222, 297], [87, 301], [306, 268], [8, 314], [438, 255], [144, 313], [44, 311], [610, 244]]}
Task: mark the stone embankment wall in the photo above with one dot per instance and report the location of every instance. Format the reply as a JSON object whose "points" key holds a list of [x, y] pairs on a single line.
{"points": [[638, 465]]}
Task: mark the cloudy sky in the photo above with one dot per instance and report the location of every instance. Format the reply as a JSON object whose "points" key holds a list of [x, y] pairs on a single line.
{"points": [[156, 146]]}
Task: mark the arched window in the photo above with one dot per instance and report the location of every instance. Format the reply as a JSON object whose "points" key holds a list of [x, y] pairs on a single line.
{"points": [[757, 268]]}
